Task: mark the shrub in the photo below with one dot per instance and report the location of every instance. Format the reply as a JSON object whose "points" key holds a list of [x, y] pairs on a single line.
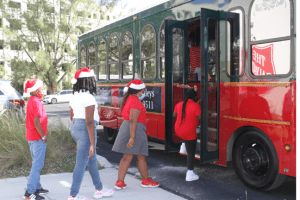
{"points": [[14, 148]]}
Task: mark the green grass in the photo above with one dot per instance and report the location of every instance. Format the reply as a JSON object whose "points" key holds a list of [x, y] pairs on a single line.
{"points": [[14, 149], [15, 158]]}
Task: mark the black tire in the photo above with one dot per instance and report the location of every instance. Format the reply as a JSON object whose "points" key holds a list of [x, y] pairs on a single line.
{"points": [[255, 161], [54, 101], [110, 134]]}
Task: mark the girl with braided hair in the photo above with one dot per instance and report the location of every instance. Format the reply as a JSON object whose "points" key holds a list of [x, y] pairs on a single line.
{"points": [[188, 115]]}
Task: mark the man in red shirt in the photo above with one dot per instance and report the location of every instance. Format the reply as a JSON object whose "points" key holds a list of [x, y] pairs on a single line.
{"points": [[36, 134]]}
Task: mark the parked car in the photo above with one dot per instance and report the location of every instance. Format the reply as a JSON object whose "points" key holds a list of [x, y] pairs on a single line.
{"points": [[10, 98], [62, 96]]}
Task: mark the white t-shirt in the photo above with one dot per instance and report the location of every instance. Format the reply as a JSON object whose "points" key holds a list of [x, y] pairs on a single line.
{"points": [[81, 100]]}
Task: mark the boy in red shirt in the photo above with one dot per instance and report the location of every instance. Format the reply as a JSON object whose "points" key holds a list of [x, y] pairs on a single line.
{"points": [[36, 134]]}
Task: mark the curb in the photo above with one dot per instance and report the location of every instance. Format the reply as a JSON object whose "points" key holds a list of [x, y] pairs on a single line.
{"points": [[104, 162]]}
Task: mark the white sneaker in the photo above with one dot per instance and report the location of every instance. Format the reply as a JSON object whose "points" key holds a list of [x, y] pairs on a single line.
{"points": [[105, 192], [78, 197], [191, 176]]}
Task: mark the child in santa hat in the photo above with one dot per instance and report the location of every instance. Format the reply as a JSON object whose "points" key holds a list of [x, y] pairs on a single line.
{"points": [[36, 134], [132, 139], [85, 118]]}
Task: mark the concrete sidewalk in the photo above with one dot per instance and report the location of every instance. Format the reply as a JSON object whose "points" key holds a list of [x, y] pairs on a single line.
{"points": [[59, 186]]}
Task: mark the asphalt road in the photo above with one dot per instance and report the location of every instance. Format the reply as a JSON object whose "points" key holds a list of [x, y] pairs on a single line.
{"points": [[215, 182], [61, 109]]}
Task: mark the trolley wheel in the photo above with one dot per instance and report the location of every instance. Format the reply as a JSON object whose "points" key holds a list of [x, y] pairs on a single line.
{"points": [[110, 134], [255, 161], [54, 101]]}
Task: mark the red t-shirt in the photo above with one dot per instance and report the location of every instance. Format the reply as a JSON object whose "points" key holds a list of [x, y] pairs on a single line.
{"points": [[195, 58], [187, 130], [35, 108], [134, 102]]}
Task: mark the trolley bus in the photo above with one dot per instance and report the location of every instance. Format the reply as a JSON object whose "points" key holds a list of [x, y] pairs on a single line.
{"points": [[243, 63]]}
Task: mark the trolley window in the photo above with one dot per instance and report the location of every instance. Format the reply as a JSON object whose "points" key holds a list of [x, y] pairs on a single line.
{"points": [[271, 37], [162, 47], [82, 62], [148, 52], [92, 56], [102, 60], [178, 55], [212, 59], [235, 42], [127, 55], [113, 57]]}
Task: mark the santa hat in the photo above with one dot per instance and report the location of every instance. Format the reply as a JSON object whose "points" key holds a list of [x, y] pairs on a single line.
{"points": [[32, 85], [135, 84], [82, 73]]}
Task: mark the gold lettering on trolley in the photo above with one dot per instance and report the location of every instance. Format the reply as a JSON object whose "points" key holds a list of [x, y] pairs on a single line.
{"points": [[258, 84], [258, 120]]}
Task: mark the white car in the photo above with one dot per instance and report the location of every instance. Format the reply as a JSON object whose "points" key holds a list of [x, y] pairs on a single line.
{"points": [[10, 98], [62, 96]]}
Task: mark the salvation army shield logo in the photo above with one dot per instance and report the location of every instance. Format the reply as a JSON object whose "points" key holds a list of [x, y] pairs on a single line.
{"points": [[262, 60]]}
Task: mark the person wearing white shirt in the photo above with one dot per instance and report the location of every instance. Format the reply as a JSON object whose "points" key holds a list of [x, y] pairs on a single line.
{"points": [[85, 118]]}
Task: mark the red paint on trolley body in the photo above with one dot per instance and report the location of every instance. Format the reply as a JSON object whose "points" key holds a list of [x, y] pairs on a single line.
{"points": [[258, 105], [268, 108], [115, 96]]}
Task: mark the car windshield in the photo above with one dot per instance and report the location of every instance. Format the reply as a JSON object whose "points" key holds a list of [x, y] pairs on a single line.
{"points": [[15, 95]]}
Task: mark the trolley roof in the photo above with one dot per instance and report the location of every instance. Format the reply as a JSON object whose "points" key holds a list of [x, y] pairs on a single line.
{"points": [[139, 12]]}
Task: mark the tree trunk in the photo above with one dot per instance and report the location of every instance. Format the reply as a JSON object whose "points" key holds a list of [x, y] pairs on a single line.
{"points": [[53, 89]]}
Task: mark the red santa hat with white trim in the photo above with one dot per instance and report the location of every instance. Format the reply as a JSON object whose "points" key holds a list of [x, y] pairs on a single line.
{"points": [[82, 73], [32, 85], [135, 84]]}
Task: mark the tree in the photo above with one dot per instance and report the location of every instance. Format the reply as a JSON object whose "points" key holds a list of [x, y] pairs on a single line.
{"points": [[107, 6], [2, 71], [21, 69], [46, 33]]}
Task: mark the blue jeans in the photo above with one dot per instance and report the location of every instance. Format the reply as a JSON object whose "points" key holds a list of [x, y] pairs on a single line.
{"points": [[80, 134], [38, 152]]}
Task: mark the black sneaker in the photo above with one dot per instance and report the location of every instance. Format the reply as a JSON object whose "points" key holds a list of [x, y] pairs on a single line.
{"points": [[33, 196], [41, 191]]}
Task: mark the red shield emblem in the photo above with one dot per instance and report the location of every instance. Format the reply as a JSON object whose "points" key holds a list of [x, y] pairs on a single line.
{"points": [[262, 60]]}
